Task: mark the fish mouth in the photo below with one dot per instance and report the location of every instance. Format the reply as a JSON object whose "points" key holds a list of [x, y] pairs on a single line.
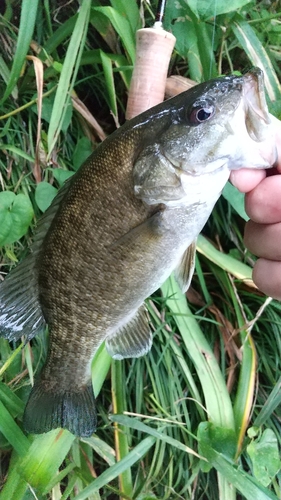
{"points": [[247, 126], [257, 116]]}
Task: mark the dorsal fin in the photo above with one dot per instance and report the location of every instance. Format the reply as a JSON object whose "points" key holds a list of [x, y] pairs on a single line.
{"points": [[133, 339], [20, 310]]}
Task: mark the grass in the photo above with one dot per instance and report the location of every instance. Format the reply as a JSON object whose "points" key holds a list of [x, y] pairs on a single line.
{"points": [[199, 416]]}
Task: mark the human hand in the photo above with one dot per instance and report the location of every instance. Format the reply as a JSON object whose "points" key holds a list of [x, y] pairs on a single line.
{"points": [[263, 230]]}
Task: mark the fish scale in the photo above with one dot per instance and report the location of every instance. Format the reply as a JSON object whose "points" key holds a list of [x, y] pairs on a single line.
{"points": [[118, 228]]}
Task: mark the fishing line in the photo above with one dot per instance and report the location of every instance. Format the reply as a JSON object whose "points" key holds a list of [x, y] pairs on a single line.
{"points": [[213, 39]]}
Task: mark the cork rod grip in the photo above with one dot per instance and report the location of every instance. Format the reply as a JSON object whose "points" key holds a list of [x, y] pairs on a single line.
{"points": [[154, 49]]}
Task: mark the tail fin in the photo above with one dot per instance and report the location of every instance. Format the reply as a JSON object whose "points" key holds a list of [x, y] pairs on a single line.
{"points": [[47, 410]]}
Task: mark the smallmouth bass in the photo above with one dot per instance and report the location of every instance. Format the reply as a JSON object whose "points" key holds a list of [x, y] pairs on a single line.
{"points": [[116, 231]]}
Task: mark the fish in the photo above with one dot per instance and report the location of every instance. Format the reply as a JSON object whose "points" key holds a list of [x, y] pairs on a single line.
{"points": [[117, 229]]}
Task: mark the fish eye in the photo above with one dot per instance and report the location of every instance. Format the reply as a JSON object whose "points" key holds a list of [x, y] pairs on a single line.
{"points": [[200, 112]]}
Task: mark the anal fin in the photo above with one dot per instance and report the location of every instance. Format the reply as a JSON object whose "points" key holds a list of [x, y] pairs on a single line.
{"points": [[132, 340], [184, 272]]}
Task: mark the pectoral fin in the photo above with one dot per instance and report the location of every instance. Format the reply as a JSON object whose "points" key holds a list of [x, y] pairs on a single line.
{"points": [[184, 272], [148, 233], [133, 339]]}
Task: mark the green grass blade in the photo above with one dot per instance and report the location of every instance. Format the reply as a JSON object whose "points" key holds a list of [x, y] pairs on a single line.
{"points": [[27, 23], [69, 488], [100, 368], [15, 486], [246, 381], [122, 27], [157, 433], [109, 80], [121, 432], [60, 35], [59, 476], [172, 345], [44, 457], [236, 199], [224, 261], [68, 73], [115, 470], [17, 151], [217, 399], [11, 401], [273, 401], [247, 375], [5, 73], [12, 432], [257, 55], [130, 11], [101, 448], [205, 50], [123, 67], [10, 359]]}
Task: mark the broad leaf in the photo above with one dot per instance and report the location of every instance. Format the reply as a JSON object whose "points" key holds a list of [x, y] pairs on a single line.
{"points": [[206, 9], [44, 195], [264, 455], [16, 213]]}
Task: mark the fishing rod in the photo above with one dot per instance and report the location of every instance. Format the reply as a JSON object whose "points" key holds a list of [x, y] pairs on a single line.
{"points": [[154, 47], [159, 16]]}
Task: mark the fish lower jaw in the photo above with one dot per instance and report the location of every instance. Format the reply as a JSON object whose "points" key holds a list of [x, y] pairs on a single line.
{"points": [[198, 190], [194, 169], [214, 169]]}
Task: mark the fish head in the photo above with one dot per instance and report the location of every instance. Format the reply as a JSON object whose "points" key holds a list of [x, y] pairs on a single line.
{"points": [[210, 129]]}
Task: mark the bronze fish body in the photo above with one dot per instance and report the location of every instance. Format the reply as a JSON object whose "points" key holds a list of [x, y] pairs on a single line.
{"points": [[119, 227]]}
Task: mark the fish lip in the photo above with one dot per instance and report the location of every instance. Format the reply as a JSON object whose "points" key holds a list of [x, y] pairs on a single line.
{"points": [[256, 110], [214, 167], [198, 169]]}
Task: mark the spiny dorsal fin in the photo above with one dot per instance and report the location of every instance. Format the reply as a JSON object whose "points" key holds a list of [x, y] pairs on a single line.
{"points": [[20, 310], [133, 339], [184, 272]]}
